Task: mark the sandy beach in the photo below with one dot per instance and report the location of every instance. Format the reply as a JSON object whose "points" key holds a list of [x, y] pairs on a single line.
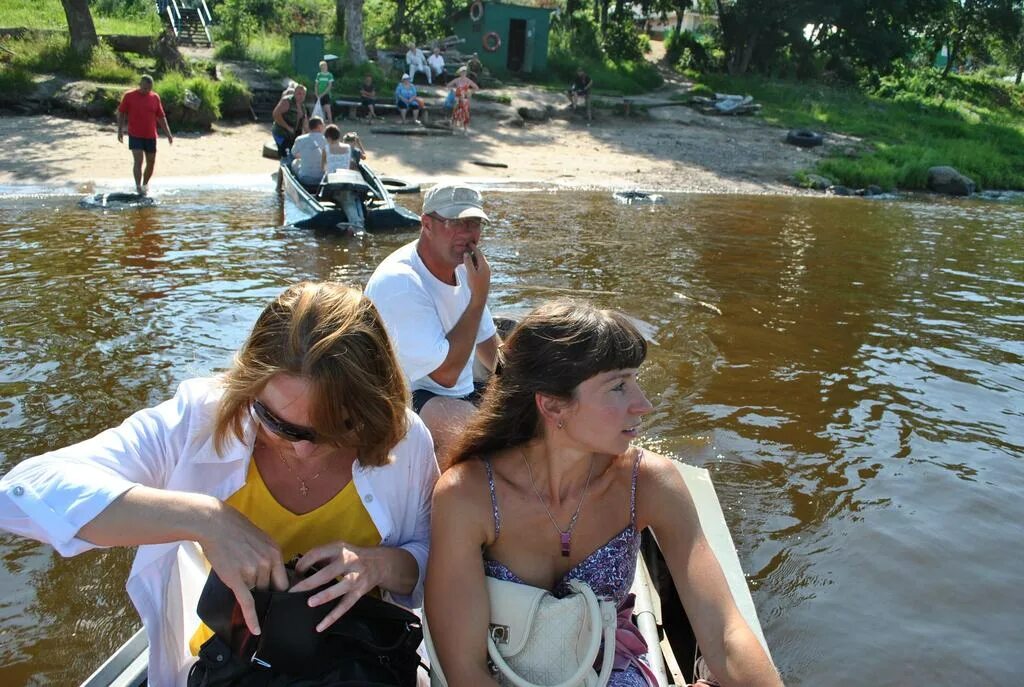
{"points": [[672, 149]]}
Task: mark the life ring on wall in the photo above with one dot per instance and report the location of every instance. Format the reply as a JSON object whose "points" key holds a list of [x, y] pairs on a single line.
{"points": [[476, 11], [492, 41]]}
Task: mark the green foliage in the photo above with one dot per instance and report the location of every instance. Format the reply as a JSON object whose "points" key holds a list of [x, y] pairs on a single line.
{"points": [[271, 51], [425, 20], [121, 8], [51, 54], [622, 41], [688, 51], [234, 27], [15, 82], [172, 89], [906, 127], [576, 42], [235, 97], [578, 36], [351, 78], [610, 78], [49, 14]]}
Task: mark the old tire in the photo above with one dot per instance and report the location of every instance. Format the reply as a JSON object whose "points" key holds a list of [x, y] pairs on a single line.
{"points": [[270, 150], [396, 185], [804, 138]]}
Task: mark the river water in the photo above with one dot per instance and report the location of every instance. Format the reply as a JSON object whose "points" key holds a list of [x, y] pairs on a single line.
{"points": [[851, 371]]}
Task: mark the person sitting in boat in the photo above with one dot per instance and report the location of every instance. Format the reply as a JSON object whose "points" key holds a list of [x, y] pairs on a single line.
{"points": [[289, 117], [336, 154], [356, 145], [307, 154], [405, 99], [432, 296], [546, 485], [305, 445]]}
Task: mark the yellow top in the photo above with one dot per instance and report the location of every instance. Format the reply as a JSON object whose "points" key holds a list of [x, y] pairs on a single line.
{"points": [[343, 518]]}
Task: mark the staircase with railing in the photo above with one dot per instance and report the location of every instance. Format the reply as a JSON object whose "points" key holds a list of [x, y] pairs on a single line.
{"points": [[188, 20]]}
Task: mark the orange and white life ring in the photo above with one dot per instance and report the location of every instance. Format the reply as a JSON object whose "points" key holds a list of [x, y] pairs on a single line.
{"points": [[492, 41], [476, 11]]}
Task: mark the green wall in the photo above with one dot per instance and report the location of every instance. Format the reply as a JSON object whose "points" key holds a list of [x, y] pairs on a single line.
{"points": [[497, 18]]}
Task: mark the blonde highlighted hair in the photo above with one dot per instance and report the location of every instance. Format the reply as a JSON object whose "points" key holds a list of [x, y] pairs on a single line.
{"points": [[332, 336]]}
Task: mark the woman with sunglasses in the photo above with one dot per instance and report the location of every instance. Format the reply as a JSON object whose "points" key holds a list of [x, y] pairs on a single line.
{"points": [[305, 446]]}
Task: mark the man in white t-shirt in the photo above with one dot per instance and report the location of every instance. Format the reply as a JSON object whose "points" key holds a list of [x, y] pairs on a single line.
{"points": [[436, 64], [307, 151], [432, 296]]}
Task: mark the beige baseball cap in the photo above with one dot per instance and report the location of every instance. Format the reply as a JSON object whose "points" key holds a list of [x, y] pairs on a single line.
{"points": [[454, 201]]}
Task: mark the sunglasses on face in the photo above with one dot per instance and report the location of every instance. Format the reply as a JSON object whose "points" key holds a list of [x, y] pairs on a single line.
{"points": [[279, 427], [470, 224]]}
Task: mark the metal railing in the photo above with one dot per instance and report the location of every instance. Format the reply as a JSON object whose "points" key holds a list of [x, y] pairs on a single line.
{"points": [[204, 8], [206, 28], [170, 18]]}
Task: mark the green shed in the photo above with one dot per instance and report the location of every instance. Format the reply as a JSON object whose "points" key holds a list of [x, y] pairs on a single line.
{"points": [[307, 51], [510, 39]]}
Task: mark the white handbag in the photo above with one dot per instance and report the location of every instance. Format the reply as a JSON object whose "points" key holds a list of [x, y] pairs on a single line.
{"points": [[536, 640]]}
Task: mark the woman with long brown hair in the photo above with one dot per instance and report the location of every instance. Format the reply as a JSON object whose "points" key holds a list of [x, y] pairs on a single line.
{"points": [[546, 487], [305, 446]]}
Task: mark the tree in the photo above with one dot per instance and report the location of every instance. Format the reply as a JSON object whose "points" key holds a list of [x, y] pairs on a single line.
{"points": [[353, 14], [80, 26]]}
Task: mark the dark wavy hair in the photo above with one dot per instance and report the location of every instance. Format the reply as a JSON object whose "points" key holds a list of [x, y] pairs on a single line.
{"points": [[556, 347]]}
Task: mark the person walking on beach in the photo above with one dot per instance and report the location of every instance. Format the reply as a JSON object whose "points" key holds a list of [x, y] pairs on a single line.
{"points": [[432, 295], [142, 110]]}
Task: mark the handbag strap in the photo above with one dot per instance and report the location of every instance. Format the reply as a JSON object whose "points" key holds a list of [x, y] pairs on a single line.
{"points": [[600, 618]]}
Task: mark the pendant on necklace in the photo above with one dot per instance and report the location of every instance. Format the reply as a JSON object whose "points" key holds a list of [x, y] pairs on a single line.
{"points": [[304, 490], [566, 538]]}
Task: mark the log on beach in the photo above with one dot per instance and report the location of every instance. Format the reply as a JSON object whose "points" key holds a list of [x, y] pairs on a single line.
{"points": [[409, 131]]}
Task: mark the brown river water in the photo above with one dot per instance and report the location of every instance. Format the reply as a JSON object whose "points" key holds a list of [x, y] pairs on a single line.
{"points": [[855, 384]]}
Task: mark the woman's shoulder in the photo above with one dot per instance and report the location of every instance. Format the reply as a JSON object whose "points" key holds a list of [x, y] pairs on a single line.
{"points": [[466, 480]]}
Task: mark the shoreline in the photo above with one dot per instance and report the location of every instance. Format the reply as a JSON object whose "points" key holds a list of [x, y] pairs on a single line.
{"points": [[674, 153]]}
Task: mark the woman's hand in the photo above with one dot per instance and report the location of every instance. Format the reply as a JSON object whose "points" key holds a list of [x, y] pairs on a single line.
{"points": [[356, 570], [244, 557]]}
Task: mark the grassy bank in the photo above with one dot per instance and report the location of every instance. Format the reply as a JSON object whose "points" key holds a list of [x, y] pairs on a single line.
{"points": [[49, 14], [907, 123]]}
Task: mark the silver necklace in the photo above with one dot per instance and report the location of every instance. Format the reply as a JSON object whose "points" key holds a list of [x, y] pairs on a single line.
{"points": [[565, 536]]}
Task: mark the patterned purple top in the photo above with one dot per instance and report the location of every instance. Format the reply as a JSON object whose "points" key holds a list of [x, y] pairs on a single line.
{"points": [[609, 570]]}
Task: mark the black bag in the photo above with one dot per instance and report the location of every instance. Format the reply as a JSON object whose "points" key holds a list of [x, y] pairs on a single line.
{"points": [[373, 644]]}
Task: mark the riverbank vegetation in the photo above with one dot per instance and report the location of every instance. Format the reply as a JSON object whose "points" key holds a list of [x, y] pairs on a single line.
{"points": [[916, 84]]}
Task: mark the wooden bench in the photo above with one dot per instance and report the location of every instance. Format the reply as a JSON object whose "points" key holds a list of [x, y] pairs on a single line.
{"points": [[345, 106]]}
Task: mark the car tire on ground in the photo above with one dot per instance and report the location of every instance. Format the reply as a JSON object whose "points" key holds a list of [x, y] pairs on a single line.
{"points": [[804, 138]]}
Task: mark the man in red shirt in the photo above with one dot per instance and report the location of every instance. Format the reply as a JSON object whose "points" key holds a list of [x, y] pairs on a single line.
{"points": [[142, 110]]}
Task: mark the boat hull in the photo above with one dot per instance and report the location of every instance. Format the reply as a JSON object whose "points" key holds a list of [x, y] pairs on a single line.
{"points": [[380, 211]]}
